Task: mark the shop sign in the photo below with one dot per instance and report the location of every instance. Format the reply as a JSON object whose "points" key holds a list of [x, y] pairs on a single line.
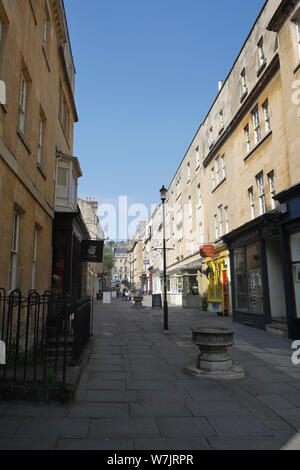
{"points": [[207, 251], [92, 251]]}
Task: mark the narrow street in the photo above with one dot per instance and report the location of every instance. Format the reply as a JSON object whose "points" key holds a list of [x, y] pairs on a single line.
{"points": [[134, 393]]}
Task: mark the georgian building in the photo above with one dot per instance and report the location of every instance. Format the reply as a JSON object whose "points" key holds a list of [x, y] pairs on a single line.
{"points": [[232, 209], [38, 172]]}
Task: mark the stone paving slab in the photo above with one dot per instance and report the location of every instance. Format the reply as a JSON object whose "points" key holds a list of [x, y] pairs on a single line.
{"points": [[238, 426], [95, 444], [53, 427], [179, 444], [28, 444], [159, 409], [115, 428], [244, 443], [135, 395]]}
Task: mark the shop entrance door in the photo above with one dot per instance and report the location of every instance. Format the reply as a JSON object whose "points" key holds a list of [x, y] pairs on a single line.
{"points": [[225, 292]]}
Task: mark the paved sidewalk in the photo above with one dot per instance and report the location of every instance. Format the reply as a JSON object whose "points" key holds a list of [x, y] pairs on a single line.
{"points": [[135, 395]]}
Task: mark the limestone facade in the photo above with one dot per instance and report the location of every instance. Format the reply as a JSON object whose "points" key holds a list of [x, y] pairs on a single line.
{"points": [[36, 122]]}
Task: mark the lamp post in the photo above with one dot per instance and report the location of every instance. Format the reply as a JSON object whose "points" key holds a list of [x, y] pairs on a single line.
{"points": [[163, 195]]}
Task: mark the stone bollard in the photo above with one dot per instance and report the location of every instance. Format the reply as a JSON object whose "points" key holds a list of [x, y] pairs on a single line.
{"points": [[214, 360], [138, 301]]}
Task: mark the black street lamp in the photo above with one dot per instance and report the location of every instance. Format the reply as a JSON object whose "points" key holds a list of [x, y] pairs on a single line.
{"points": [[163, 195]]}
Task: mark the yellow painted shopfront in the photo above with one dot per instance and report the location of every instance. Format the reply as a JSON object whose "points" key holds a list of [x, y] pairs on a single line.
{"points": [[217, 272]]}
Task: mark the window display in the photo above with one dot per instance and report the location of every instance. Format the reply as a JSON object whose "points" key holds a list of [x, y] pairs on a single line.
{"points": [[248, 279], [295, 267]]}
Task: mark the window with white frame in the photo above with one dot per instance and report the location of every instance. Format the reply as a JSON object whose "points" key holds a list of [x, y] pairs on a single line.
{"points": [[14, 252], [221, 118], [247, 137], [34, 260], [218, 170], [244, 88], [223, 162], [261, 53], [271, 180], [261, 193], [220, 220], [191, 241], [40, 142], [22, 104], [64, 113], [256, 124], [252, 203], [226, 215], [201, 233], [216, 226], [188, 172], [197, 158], [213, 178], [298, 33], [267, 115], [199, 195], [190, 209], [211, 137]]}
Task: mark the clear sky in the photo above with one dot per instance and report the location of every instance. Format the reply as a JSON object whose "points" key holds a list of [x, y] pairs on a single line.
{"points": [[147, 74]]}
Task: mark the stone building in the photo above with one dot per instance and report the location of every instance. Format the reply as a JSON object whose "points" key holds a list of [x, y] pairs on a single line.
{"points": [[137, 270], [232, 210], [91, 271], [36, 138]]}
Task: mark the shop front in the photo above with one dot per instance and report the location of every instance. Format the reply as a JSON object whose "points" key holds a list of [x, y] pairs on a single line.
{"points": [[256, 271], [67, 274], [218, 295], [289, 227], [185, 285]]}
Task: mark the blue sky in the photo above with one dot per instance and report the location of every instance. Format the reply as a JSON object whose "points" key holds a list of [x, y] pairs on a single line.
{"points": [[147, 74]]}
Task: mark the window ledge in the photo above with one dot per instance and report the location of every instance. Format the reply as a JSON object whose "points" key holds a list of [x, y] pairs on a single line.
{"points": [[243, 96], [261, 68], [219, 184], [24, 140], [297, 68], [46, 57], [258, 145], [4, 108], [221, 130], [41, 170], [64, 131]]}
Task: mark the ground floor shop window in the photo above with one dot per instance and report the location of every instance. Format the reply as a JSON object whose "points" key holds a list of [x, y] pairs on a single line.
{"points": [[248, 279], [190, 285], [295, 268]]}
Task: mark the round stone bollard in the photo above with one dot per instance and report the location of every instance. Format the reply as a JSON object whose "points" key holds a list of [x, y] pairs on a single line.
{"points": [[214, 360], [138, 301]]}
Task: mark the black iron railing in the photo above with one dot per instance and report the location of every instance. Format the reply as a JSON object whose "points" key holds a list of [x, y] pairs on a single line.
{"points": [[43, 334]]}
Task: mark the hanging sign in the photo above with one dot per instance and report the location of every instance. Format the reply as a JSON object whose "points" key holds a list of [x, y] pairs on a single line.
{"points": [[207, 251], [92, 251]]}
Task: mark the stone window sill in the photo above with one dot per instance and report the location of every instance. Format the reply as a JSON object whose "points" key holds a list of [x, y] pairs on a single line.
{"points": [[4, 108], [258, 145], [244, 96], [24, 140], [261, 68], [46, 57], [297, 68], [219, 184], [41, 170], [64, 131]]}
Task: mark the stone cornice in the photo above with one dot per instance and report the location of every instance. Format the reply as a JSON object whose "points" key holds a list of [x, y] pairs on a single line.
{"points": [[283, 11], [56, 8]]}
